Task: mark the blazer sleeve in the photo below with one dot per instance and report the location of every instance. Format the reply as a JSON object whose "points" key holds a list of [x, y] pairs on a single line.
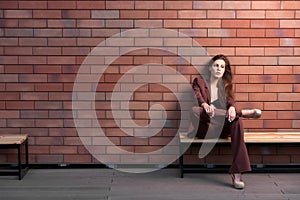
{"points": [[198, 90], [230, 102]]}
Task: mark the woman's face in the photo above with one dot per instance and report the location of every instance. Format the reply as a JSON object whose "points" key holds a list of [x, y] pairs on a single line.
{"points": [[217, 69]]}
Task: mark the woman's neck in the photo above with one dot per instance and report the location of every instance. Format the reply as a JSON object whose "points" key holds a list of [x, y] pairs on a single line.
{"points": [[213, 82]]}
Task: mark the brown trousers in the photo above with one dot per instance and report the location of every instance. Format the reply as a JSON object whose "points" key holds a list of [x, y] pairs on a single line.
{"points": [[211, 128]]}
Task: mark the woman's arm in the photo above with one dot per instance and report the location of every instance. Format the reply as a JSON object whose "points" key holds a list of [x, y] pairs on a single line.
{"points": [[198, 92]]}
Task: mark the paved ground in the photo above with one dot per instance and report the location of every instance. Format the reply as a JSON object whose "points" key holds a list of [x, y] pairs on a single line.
{"points": [[97, 184]]}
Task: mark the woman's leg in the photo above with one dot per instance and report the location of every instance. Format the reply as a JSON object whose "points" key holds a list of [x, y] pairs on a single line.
{"points": [[196, 127], [240, 162]]}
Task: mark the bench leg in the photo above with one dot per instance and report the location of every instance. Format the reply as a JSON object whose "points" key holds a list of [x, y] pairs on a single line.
{"points": [[19, 162], [26, 153], [181, 161], [22, 171], [181, 166]]}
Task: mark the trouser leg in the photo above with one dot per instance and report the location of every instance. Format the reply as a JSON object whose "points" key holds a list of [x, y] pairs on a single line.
{"points": [[241, 162]]}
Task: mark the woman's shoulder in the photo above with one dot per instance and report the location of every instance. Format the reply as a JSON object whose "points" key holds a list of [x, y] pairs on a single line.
{"points": [[199, 81]]}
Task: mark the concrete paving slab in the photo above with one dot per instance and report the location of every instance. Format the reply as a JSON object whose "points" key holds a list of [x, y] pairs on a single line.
{"points": [[165, 184]]}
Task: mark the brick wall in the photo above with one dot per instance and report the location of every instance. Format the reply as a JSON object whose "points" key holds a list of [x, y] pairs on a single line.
{"points": [[44, 43]]}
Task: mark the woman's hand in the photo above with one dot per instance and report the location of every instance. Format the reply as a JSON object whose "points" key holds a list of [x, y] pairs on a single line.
{"points": [[231, 114], [209, 109]]}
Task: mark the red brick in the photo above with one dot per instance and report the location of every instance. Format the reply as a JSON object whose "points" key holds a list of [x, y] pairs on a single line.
{"points": [[178, 23], [235, 41], [49, 87], [136, 14], [251, 33], [9, 114], [61, 60], [221, 14], [32, 5], [9, 96], [265, 23], [275, 51], [288, 96], [9, 60], [48, 105], [77, 14], [32, 42], [20, 105], [33, 23], [265, 5], [191, 14], [207, 5], [9, 4], [18, 14], [63, 150], [32, 59], [86, 23], [18, 50], [278, 70], [249, 87], [149, 5], [278, 88], [47, 69], [8, 77], [69, 132], [49, 158], [119, 5], [47, 51], [249, 51], [19, 87], [255, 14], [209, 23], [61, 23], [289, 60], [47, 14], [221, 33], [280, 14], [77, 158], [262, 97], [61, 4], [49, 123], [288, 115], [277, 106], [39, 150], [265, 42], [9, 41], [34, 114], [20, 122], [263, 60], [290, 5], [262, 78], [277, 124], [235, 23], [90, 4], [34, 96], [168, 5], [289, 42], [32, 78]]}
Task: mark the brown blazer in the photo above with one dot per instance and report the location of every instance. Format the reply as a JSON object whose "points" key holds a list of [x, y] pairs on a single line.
{"points": [[202, 93]]}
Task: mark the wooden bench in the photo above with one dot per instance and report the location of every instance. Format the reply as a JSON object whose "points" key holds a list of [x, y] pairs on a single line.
{"points": [[15, 141], [253, 138]]}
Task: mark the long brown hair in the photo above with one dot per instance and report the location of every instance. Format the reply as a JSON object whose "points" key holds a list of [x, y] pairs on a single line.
{"points": [[227, 77]]}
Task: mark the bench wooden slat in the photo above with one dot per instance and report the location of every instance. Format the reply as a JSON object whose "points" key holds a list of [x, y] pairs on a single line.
{"points": [[13, 139], [251, 137]]}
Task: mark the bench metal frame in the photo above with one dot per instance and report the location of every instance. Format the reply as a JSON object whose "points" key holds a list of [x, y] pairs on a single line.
{"points": [[22, 168]]}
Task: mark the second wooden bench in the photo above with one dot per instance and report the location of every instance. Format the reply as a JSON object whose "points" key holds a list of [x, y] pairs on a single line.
{"points": [[254, 138]]}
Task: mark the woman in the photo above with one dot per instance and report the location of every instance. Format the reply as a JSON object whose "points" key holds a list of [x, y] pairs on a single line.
{"points": [[215, 100]]}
